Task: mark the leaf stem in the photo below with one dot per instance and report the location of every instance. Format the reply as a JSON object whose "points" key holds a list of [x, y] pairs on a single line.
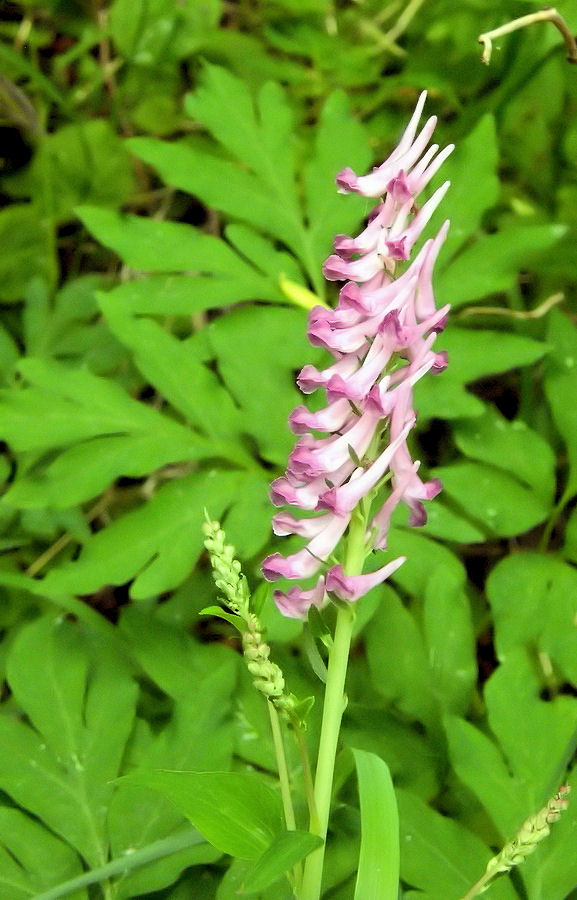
{"points": [[334, 706], [157, 850], [542, 15]]}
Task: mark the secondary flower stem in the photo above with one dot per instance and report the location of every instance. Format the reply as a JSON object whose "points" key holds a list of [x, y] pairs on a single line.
{"points": [[284, 781], [333, 709], [307, 778]]}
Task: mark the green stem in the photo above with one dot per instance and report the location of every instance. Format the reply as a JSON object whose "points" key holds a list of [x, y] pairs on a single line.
{"points": [[284, 781], [158, 850], [283, 773], [308, 778], [333, 709]]}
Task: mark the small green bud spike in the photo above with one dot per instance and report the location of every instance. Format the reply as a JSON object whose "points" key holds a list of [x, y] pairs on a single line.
{"points": [[533, 830], [228, 578]]}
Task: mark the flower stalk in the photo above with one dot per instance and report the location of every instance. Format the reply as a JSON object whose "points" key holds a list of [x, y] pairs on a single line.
{"points": [[346, 484], [534, 830]]}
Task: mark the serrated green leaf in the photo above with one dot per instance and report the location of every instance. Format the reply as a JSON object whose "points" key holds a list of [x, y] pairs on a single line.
{"points": [[236, 812], [59, 766], [156, 544], [378, 873], [287, 849], [177, 295], [198, 736], [32, 858], [100, 431], [170, 365], [277, 341], [151, 245]]}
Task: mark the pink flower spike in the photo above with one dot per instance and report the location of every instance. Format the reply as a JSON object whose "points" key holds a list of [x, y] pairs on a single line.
{"points": [[342, 500], [295, 603], [353, 587]]}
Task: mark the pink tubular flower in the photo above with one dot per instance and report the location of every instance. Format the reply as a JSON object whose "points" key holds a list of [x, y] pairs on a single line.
{"points": [[381, 336], [353, 587]]}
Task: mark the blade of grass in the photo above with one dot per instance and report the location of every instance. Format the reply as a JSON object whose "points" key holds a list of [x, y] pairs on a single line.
{"points": [[378, 874]]}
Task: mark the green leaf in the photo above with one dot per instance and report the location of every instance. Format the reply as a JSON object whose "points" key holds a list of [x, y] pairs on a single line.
{"points": [[278, 346], [450, 638], [219, 613], [542, 617], [496, 501], [236, 812], [287, 849], [151, 245], [473, 354], [439, 856], [32, 858], [170, 365], [491, 265], [199, 735], [472, 171], [25, 241], [511, 446], [83, 163], [156, 544], [479, 764], [538, 737], [150, 34], [378, 874], [100, 430], [560, 387], [59, 766], [394, 635], [448, 525]]}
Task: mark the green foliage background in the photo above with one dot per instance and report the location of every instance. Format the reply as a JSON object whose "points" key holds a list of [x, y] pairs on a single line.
{"points": [[166, 166]]}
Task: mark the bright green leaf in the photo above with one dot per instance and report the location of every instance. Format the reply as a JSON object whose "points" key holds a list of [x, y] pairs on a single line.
{"points": [[378, 874], [287, 849], [236, 812]]}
